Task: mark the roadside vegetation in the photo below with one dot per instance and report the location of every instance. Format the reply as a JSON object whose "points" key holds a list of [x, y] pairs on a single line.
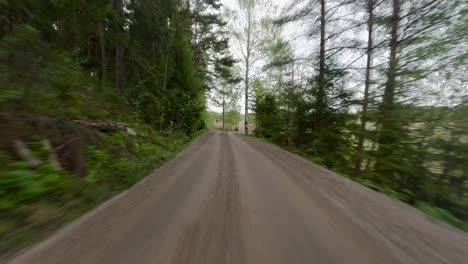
{"points": [[94, 96], [374, 90], [35, 201]]}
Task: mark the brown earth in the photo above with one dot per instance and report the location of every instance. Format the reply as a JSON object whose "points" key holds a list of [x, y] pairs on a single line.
{"points": [[233, 199]]}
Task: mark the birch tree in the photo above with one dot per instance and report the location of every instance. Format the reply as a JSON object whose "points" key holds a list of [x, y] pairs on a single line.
{"points": [[246, 26]]}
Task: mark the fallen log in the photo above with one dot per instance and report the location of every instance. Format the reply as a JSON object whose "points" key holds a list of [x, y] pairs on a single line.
{"points": [[103, 126]]}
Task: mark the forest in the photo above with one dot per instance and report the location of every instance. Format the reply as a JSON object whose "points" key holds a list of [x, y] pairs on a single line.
{"points": [[94, 95], [97, 93]]}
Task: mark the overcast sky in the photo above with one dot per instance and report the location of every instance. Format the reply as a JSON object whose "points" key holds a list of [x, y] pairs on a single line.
{"points": [[232, 4], [303, 47]]}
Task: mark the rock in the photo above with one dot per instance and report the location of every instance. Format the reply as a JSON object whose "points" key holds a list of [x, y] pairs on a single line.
{"points": [[131, 132]]}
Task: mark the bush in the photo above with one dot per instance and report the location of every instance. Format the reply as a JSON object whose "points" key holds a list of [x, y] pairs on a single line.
{"points": [[20, 184]]}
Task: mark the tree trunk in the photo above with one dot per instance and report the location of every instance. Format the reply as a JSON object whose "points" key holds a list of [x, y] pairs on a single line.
{"points": [[119, 50], [161, 118], [102, 48], [387, 136], [246, 88], [390, 85], [247, 69], [224, 105], [119, 69], [246, 84], [321, 78], [365, 101]]}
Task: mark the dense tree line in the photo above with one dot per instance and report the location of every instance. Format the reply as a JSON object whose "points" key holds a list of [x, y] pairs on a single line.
{"points": [[94, 95], [150, 60], [379, 96]]}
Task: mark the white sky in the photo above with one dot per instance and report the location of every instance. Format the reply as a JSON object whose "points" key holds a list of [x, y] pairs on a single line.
{"points": [[303, 46]]}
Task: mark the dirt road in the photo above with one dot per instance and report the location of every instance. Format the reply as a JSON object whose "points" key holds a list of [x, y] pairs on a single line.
{"points": [[233, 199]]}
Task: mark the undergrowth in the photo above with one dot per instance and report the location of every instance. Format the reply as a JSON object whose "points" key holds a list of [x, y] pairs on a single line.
{"points": [[35, 202]]}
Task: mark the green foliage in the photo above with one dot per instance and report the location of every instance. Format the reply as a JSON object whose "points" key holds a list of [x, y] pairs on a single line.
{"points": [[126, 160], [233, 118], [308, 119], [19, 184], [143, 62], [267, 112], [112, 167], [134, 160], [210, 119], [42, 80], [59, 61], [211, 51]]}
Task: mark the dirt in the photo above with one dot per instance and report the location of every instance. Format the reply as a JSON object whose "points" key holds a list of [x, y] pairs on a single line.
{"points": [[234, 199]]}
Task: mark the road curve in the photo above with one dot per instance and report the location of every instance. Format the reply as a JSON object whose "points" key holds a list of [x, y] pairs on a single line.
{"points": [[234, 199]]}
